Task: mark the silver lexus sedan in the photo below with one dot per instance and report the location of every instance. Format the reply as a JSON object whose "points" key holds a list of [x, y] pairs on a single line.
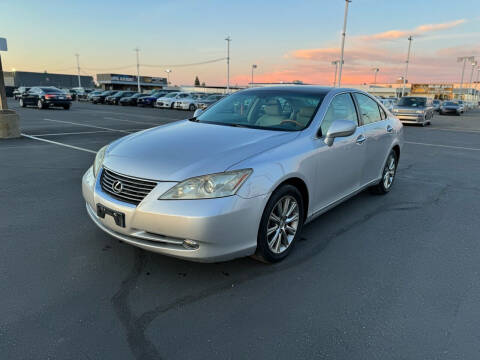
{"points": [[244, 176]]}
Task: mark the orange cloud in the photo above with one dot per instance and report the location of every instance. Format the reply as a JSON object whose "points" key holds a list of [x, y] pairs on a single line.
{"points": [[419, 30]]}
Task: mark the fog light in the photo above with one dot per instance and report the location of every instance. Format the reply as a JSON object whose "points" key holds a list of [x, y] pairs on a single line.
{"points": [[190, 244]]}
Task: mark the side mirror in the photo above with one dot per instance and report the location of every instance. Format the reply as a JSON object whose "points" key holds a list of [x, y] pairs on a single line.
{"points": [[339, 128], [197, 112]]}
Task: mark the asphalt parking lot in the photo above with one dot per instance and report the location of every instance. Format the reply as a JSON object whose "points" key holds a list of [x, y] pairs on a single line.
{"points": [[378, 277]]}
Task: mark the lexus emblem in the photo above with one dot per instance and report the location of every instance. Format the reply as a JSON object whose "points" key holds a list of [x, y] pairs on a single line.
{"points": [[117, 186]]}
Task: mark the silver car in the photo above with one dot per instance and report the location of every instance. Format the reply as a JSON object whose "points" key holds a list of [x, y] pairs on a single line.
{"points": [[168, 101], [414, 110], [244, 176]]}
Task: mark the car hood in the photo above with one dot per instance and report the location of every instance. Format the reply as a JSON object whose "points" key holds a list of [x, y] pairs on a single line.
{"points": [[185, 149]]}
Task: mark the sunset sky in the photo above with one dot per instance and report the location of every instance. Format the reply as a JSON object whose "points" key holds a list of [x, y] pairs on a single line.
{"points": [[288, 40]]}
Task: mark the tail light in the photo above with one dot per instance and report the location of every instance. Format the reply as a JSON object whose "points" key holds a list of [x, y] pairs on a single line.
{"points": [[69, 97], [48, 96]]}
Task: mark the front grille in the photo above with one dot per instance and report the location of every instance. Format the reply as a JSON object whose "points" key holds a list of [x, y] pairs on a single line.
{"points": [[133, 190]]}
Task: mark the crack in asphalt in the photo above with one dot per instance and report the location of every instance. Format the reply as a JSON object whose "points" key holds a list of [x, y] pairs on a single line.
{"points": [[136, 327]]}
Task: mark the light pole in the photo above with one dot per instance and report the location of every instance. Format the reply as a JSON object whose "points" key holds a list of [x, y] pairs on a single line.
{"points": [[137, 50], [474, 64], [342, 47], [464, 60], [168, 71], [254, 66], [375, 70], [476, 82], [336, 62], [410, 38], [78, 69], [228, 39]]}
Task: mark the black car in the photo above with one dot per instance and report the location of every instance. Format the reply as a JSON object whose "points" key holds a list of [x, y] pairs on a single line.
{"points": [[450, 107], [45, 97], [149, 100], [115, 98], [100, 98], [17, 94], [130, 100]]}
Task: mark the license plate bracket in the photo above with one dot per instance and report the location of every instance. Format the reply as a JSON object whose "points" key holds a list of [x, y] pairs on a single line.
{"points": [[118, 216]]}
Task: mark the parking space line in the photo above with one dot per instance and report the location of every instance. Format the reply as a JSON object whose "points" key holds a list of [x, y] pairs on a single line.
{"points": [[443, 146], [132, 121], [131, 114], [472, 131], [91, 126], [84, 132], [58, 143]]}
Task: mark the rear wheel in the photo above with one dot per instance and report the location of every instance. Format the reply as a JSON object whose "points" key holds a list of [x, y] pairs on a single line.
{"points": [[40, 104], [281, 224], [388, 175], [192, 107], [66, 107]]}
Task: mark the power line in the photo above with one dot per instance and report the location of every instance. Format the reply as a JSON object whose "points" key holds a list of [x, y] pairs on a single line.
{"points": [[186, 65]]}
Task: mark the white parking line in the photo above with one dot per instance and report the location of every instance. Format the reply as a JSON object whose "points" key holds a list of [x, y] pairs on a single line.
{"points": [[472, 131], [131, 114], [91, 126], [84, 132], [132, 121], [59, 143], [443, 146]]}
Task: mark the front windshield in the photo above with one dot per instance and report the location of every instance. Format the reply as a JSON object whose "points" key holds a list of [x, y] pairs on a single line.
{"points": [[412, 101], [449, 103], [171, 95], [273, 110]]}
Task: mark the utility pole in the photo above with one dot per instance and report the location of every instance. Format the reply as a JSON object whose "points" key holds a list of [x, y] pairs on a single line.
{"points": [[464, 59], [474, 64], [254, 66], [343, 42], [78, 69], [137, 50], [168, 71], [228, 39], [410, 38], [375, 70]]}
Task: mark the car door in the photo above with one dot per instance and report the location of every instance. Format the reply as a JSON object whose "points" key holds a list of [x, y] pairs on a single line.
{"points": [[377, 131], [339, 167]]}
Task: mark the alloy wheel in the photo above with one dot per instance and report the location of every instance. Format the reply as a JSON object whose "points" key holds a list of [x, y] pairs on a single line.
{"points": [[282, 224], [389, 171]]}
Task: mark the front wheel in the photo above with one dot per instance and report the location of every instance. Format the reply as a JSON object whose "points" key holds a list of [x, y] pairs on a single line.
{"points": [[192, 107], [388, 175], [281, 224], [40, 104]]}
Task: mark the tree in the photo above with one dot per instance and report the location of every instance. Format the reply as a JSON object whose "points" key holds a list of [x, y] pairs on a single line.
{"points": [[197, 81]]}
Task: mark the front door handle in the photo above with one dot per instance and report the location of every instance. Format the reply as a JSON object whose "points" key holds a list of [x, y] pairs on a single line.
{"points": [[361, 139], [389, 129]]}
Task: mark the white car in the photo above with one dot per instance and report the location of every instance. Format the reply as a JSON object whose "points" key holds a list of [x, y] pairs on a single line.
{"points": [[168, 101], [189, 103], [388, 103]]}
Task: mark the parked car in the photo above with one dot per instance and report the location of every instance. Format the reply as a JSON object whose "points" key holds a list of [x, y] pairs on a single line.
{"points": [[246, 174], [189, 102], [414, 110], [130, 100], [388, 103], [45, 97], [115, 98], [209, 100], [93, 93], [149, 100], [81, 92], [462, 105], [17, 94], [168, 100], [100, 98], [450, 107]]}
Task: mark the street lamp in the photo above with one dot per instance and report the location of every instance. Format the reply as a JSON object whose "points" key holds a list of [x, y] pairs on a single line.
{"points": [[464, 59], [228, 39], [168, 71], [254, 66], [375, 70], [137, 50], [410, 38], [342, 46], [474, 64], [336, 62]]}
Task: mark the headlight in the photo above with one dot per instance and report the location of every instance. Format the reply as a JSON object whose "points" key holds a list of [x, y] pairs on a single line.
{"points": [[419, 111], [208, 186], [395, 110], [99, 160]]}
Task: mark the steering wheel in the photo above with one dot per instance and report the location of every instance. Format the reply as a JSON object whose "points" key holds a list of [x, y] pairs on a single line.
{"points": [[290, 120]]}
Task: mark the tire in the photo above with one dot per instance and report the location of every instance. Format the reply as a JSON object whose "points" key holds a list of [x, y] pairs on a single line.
{"points": [[66, 107], [21, 103], [385, 185], [40, 104], [269, 249], [171, 106], [192, 107]]}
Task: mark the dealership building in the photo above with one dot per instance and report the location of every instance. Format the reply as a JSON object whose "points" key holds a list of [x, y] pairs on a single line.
{"points": [[14, 79], [129, 82]]}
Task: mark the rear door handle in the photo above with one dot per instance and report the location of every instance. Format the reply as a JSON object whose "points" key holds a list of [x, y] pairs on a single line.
{"points": [[361, 139], [389, 129]]}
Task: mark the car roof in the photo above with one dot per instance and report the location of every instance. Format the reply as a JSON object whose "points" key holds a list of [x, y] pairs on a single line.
{"points": [[299, 89]]}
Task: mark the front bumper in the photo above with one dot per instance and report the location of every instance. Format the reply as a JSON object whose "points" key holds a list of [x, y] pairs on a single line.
{"points": [[224, 228], [181, 106], [411, 118], [163, 104]]}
